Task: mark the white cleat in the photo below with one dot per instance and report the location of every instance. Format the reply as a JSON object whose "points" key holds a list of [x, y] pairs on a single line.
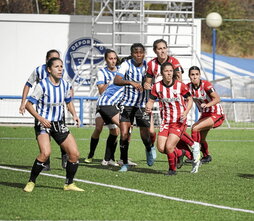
{"points": [[196, 152], [195, 166]]}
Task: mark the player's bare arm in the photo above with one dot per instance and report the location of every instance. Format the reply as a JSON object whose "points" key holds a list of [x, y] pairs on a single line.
{"points": [[32, 111], [121, 82]]}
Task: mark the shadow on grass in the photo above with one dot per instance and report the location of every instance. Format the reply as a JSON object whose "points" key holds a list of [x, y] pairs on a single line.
{"points": [[96, 164], [22, 185], [246, 176]]}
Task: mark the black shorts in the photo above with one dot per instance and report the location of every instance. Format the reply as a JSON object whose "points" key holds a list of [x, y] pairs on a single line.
{"points": [[128, 114], [107, 113], [58, 131]]}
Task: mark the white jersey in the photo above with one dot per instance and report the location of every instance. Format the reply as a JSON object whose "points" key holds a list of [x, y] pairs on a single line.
{"points": [[49, 99], [131, 96]]}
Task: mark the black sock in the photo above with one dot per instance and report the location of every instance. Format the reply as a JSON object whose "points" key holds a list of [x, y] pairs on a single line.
{"points": [[47, 162], [147, 142], [71, 170], [62, 151], [93, 145], [110, 147], [36, 169], [124, 146], [112, 157]]}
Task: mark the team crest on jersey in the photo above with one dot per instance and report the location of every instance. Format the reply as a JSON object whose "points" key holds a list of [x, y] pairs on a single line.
{"points": [[79, 56]]}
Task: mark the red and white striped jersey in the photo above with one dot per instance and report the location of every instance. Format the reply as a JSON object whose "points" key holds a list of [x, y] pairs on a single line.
{"points": [[154, 67], [202, 94], [171, 99]]}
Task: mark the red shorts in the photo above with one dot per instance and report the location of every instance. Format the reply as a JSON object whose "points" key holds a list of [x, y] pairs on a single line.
{"points": [[217, 119], [173, 128]]}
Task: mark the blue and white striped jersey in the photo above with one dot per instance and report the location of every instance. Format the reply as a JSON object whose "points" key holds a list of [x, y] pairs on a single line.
{"points": [[113, 93], [111, 96], [105, 76], [131, 96], [49, 99], [37, 75]]}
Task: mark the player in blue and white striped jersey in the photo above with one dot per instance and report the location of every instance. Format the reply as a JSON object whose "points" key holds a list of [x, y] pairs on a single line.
{"points": [[49, 96], [104, 82], [37, 75], [131, 74]]}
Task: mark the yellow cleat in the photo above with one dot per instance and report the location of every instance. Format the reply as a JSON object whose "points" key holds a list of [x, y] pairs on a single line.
{"points": [[88, 160], [29, 187], [72, 187]]}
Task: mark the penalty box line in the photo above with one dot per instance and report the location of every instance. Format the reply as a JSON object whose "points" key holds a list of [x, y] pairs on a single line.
{"points": [[137, 191]]}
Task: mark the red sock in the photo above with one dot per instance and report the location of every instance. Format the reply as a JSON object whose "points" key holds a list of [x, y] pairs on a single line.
{"points": [[178, 152], [186, 138], [172, 161], [153, 137], [196, 136], [184, 146], [204, 148]]}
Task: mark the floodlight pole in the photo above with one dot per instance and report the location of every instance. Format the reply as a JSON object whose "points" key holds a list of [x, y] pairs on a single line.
{"points": [[214, 51]]}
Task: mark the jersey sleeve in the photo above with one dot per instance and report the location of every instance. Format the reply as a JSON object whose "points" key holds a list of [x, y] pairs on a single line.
{"points": [[122, 69], [68, 96], [36, 94], [185, 91], [100, 78], [176, 64], [149, 72], [32, 79], [208, 87], [153, 94]]}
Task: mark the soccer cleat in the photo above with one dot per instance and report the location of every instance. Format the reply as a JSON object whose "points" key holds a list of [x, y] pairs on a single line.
{"points": [[170, 173], [113, 163], [206, 159], [130, 163], [149, 157], [153, 149], [188, 161], [88, 160], [64, 160], [29, 187], [180, 160], [196, 152], [72, 187], [195, 166], [46, 167], [104, 163], [124, 168]]}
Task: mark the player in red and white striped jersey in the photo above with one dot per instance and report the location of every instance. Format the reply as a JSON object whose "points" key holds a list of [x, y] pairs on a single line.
{"points": [[175, 104], [207, 101], [153, 75], [160, 48]]}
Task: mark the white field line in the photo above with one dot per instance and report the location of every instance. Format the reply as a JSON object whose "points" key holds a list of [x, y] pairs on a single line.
{"points": [[138, 191], [29, 138]]}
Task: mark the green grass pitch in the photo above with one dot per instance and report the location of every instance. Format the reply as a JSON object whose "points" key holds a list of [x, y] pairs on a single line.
{"points": [[222, 190]]}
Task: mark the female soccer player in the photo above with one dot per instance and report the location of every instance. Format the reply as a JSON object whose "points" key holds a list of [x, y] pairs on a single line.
{"points": [[207, 101], [154, 75], [131, 74], [37, 75], [175, 103], [49, 96], [106, 109]]}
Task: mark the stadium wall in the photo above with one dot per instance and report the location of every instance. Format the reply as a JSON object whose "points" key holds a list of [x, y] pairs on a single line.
{"points": [[25, 39]]}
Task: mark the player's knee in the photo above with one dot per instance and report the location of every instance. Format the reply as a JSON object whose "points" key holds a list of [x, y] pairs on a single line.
{"points": [[74, 156]]}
